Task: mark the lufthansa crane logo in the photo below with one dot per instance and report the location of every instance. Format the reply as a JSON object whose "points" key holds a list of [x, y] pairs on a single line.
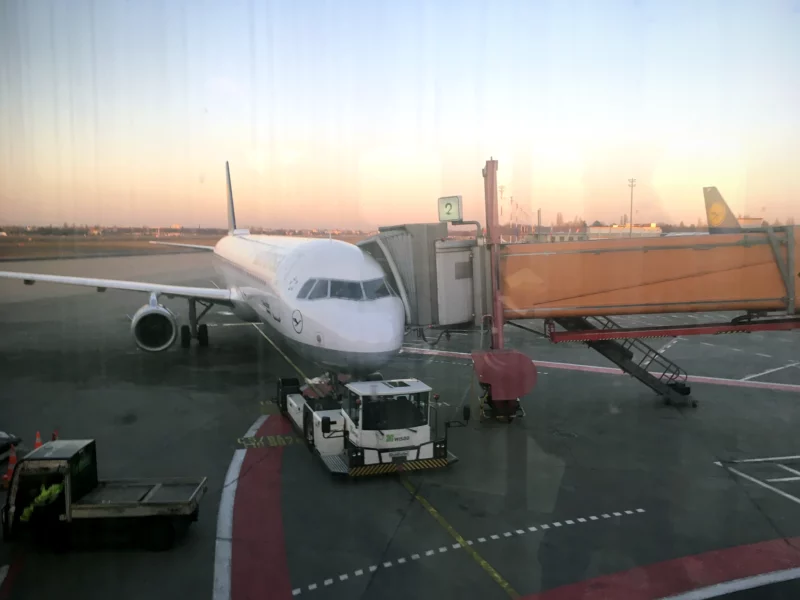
{"points": [[716, 214], [297, 321]]}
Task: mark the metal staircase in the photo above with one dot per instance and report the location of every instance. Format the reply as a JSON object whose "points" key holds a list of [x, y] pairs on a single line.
{"points": [[637, 359]]}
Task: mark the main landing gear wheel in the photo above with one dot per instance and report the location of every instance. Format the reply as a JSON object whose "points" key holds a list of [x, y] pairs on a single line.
{"points": [[194, 329], [202, 335]]}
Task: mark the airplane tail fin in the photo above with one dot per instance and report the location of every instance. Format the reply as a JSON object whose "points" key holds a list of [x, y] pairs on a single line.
{"points": [[232, 230], [720, 217]]}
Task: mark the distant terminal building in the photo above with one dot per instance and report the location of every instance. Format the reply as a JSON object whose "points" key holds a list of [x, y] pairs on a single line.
{"points": [[750, 222], [565, 233], [617, 231]]}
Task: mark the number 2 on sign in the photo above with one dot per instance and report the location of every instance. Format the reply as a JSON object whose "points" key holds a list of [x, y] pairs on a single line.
{"points": [[448, 208]]}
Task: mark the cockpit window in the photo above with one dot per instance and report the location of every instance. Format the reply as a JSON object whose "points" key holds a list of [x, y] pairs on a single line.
{"points": [[376, 288], [316, 289], [346, 290], [320, 290], [305, 289]]}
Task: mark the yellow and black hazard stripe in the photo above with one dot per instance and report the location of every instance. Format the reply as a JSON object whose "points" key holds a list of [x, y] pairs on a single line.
{"points": [[268, 441], [384, 468], [729, 332]]}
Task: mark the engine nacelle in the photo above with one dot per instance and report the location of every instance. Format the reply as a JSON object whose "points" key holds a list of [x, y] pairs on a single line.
{"points": [[154, 328]]}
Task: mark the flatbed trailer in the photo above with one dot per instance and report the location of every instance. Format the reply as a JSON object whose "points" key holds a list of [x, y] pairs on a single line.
{"points": [[369, 427], [151, 511]]}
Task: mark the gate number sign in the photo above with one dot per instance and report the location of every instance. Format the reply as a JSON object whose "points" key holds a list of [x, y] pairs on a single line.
{"points": [[450, 208]]}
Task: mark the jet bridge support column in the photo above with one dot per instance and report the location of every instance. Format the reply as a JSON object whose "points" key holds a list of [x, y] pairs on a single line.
{"points": [[493, 239], [505, 375]]}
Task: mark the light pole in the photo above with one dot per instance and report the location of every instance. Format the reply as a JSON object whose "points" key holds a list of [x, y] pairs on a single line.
{"points": [[631, 184]]}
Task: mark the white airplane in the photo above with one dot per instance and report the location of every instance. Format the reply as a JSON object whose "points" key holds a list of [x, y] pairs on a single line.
{"points": [[326, 299]]}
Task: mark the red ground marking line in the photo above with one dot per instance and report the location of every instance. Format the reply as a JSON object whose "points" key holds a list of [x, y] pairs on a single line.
{"points": [[14, 569], [761, 385], [768, 385], [259, 567], [684, 574]]}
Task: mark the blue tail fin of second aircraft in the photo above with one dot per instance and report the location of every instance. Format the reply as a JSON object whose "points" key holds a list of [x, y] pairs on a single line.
{"points": [[232, 230], [720, 217]]}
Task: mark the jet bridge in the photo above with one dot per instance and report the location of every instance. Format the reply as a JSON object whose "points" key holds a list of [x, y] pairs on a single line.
{"points": [[440, 281]]}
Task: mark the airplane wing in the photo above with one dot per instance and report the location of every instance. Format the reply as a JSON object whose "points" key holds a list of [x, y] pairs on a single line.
{"points": [[194, 246], [215, 295]]}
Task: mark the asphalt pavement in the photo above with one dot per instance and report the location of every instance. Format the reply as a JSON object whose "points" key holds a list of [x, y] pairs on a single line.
{"points": [[599, 478]]}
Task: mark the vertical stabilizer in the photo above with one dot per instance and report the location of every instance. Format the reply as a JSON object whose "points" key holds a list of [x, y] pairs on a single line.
{"points": [[720, 217], [231, 212]]}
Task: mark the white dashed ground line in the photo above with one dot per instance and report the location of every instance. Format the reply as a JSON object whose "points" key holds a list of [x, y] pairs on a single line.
{"points": [[764, 355], [402, 560]]}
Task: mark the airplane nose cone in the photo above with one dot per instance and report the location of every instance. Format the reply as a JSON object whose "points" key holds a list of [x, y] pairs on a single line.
{"points": [[377, 333], [361, 338]]}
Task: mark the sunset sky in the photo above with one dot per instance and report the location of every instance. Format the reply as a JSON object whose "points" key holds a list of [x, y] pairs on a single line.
{"points": [[361, 113]]}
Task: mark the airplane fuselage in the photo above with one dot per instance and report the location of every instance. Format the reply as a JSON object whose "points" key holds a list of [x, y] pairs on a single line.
{"points": [[325, 299]]}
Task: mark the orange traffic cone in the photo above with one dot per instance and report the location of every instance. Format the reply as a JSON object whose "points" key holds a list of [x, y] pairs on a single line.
{"points": [[38, 442], [12, 462]]}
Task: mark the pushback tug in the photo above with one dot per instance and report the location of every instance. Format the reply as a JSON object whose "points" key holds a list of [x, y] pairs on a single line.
{"points": [[369, 427]]}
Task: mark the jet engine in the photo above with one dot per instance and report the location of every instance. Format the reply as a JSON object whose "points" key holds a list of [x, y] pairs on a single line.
{"points": [[154, 328]]}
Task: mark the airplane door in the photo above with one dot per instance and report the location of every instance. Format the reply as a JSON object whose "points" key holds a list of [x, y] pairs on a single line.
{"points": [[276, 310]]}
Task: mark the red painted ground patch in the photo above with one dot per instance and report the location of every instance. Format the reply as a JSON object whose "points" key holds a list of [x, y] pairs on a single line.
{"points": [[13, 572], [259, 569], [684, 574]]}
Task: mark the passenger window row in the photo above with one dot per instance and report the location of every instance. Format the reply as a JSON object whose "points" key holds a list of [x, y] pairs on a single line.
{"points": [[316, 289]]}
